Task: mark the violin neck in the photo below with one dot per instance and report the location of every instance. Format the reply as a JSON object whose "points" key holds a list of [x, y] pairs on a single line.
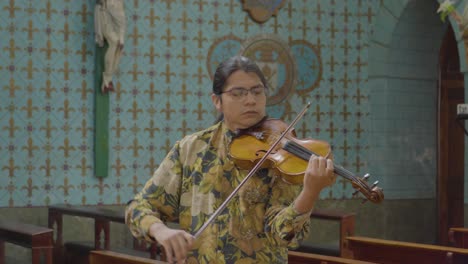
{"points": [[305, 154], [372, 193]]}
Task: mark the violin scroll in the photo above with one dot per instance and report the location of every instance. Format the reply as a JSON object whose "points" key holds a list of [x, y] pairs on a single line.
{"points": [[372, 193]]}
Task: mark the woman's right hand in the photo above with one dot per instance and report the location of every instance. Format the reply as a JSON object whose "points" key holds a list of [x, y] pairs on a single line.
{"points": [[176, 242]]}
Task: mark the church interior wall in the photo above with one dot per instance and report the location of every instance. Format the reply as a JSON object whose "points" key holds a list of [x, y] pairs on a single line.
{"points": [[361, 64]]}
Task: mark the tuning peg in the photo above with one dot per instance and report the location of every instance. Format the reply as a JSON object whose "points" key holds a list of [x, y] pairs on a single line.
{"points": [[374, 184], [355, 193], [366, 176]]}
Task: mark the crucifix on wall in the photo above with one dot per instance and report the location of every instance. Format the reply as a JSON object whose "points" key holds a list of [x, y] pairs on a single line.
{"points": [[110, 27]]}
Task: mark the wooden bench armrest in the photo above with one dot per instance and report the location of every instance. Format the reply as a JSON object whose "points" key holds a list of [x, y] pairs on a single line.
{"points": [[295, 257], [39, 239], [459, 229], [25, 235], [458, 237]]}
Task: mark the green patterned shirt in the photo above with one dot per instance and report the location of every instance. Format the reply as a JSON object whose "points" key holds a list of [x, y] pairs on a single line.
{"points": [[258, 225]]}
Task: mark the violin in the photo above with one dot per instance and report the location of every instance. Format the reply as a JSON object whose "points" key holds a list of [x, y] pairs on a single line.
{"points": [[291, 156], [269, 144]]}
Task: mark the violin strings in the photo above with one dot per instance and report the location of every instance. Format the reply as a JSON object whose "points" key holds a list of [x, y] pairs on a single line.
{"points": [[305, 154], [297, 150]]}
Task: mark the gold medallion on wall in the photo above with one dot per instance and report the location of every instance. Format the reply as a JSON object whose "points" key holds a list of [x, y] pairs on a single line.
{"points": [[294, 67], [275, 60]]}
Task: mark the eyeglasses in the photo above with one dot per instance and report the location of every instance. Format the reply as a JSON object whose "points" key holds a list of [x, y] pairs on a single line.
{"points": [[241, 93]]}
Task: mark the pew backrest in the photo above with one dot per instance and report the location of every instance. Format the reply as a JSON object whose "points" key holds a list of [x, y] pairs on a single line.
{"points": [[346, 225], [393, 252], [110, 257], [102, 219]]}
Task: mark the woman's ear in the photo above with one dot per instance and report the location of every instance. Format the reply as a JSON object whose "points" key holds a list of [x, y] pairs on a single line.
{"points": [[216, 99]]}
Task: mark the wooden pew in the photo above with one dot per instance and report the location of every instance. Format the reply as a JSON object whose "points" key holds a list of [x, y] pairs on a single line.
{"points": [[458, 237], [102, 219], [295, 257], [110, 257], [346, 225], [37, 238], [398, 252]]}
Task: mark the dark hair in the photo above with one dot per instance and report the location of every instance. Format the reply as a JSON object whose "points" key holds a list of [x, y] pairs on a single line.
{"points": [[228, 67]]}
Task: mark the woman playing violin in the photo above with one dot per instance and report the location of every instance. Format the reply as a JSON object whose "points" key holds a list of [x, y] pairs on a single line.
{"points": [[265, 218]]}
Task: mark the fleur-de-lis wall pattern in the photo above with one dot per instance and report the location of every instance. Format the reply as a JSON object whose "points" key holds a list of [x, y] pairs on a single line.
{"points": [[163, 86]]}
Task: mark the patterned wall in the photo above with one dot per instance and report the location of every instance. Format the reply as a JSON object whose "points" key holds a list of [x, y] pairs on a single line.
{"points": [[163, 87]]}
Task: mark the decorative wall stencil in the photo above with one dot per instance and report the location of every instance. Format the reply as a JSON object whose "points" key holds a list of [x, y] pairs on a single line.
{"points": [[222, 49], [309, 66], [262, 10], [162, 88]]}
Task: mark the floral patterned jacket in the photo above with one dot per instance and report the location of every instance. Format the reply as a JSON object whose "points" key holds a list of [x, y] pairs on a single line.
{"points": [[258, 225]]}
